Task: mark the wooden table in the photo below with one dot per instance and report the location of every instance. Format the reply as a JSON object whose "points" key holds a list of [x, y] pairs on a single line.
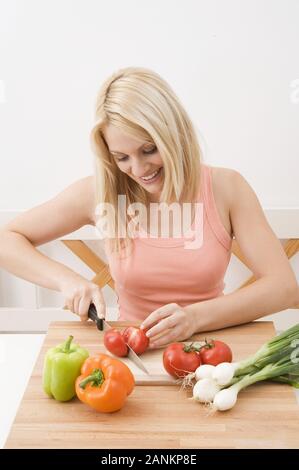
{"points": [[266, 414]]}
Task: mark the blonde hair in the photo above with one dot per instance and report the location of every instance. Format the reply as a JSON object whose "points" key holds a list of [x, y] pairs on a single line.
{"points": [[141, 104]]}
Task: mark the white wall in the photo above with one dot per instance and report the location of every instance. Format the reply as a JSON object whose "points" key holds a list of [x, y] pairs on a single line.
{"points": [[233, 63]]}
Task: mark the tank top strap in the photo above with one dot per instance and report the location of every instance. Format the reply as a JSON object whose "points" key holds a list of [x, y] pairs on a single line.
{"points": [[211, 208]]}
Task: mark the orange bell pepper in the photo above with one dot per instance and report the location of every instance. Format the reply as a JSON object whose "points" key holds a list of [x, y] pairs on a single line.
{"points": [[105, 383]]}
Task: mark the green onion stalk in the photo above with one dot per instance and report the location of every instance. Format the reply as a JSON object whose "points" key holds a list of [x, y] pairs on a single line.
{"points": [[284, 370], [280, 346]]}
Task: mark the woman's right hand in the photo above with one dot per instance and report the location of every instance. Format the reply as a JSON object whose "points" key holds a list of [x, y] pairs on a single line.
{"points": [[79, 293]]}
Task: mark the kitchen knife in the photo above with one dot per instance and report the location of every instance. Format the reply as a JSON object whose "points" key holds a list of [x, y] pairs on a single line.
{"points": [[93, 315], [103, 325]]}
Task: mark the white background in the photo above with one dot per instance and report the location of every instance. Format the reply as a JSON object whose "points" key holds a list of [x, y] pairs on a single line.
{"points": [[233, 63]]}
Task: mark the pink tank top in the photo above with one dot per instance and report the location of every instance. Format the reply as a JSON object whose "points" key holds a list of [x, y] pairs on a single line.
{"points": [[161, 270]]}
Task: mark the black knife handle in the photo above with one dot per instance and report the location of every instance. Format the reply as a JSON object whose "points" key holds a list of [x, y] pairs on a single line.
{"points": [[92, 314]]}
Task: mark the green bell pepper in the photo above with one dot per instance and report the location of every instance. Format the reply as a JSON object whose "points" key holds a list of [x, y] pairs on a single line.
{"points": [[62, 366]]}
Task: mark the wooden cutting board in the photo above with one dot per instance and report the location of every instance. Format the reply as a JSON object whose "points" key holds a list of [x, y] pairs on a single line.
{"points": [[265, 416]]}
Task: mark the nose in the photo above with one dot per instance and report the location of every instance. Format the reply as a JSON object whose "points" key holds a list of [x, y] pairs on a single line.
{"points": [[138, 168]]}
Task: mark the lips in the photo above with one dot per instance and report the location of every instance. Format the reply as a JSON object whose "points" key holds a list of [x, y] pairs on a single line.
{"points": [[151, 176]]}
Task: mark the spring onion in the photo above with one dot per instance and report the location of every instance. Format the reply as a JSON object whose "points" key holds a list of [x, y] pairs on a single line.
{"points": [[224, 372], [278, 347], [227, 397], [277, 360], [205, 390], [204, 372], [275, 349]]}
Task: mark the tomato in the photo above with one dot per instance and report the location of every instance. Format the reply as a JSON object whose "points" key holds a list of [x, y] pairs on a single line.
{"points": [[180, 359], [115, 343], [216, 352], [136, 339]]}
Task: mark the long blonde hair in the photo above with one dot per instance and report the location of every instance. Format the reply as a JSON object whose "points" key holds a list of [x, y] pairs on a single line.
{"points": [[141, 104]]}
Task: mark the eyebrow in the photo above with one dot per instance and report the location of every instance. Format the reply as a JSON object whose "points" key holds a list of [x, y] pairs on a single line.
{"points": [[121, 153]]}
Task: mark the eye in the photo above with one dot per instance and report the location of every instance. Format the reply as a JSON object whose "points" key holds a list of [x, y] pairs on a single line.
{"points": [[152, 150], [122, 159], [146, 152]]}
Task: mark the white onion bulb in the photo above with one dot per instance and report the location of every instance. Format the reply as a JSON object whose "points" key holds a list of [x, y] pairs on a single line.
{"points": [[225, 399], [204, 372], [205, 390], [223, 373]]}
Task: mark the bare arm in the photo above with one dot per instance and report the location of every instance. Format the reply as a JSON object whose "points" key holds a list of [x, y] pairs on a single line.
{"points": [[275, 288], [68, 211]]}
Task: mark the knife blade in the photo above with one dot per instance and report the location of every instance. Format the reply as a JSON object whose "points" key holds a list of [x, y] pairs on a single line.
{"points": [[136, 359], [103, 325]]}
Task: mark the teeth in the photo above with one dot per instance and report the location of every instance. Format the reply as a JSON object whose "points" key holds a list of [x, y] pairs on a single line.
{"points": [[150, 177]]}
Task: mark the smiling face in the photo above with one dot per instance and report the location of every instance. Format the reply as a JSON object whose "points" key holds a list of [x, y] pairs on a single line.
{"points": [[141, 161]]}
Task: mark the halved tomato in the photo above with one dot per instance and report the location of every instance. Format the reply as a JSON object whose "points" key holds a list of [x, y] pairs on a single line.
{"points": [[115, 343], [136, 339]]}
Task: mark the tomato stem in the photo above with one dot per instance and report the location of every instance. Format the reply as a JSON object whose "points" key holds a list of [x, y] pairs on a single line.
{"points": [[197, 346], [209, 345], [193, 347]]}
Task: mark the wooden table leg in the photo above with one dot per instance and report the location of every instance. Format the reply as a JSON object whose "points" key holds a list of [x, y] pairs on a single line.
{"points": [[93, 261]]}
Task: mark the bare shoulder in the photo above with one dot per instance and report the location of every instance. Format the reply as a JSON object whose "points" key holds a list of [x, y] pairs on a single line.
{"points": [[223, 184], [227, 184], [222, 177], [234, 196], [79, 198]]}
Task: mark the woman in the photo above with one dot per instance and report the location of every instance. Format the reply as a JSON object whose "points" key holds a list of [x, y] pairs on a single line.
{"points": [[147, 152]]}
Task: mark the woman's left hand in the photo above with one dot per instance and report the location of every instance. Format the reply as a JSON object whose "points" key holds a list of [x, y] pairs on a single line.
{"points": [[171, 322]]}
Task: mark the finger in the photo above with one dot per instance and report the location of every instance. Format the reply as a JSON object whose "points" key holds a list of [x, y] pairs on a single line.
{"points": [[70, 305], [163, 340], [100, 305], [169, 322], [76, 303], [83, 308], [157, 315]]}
